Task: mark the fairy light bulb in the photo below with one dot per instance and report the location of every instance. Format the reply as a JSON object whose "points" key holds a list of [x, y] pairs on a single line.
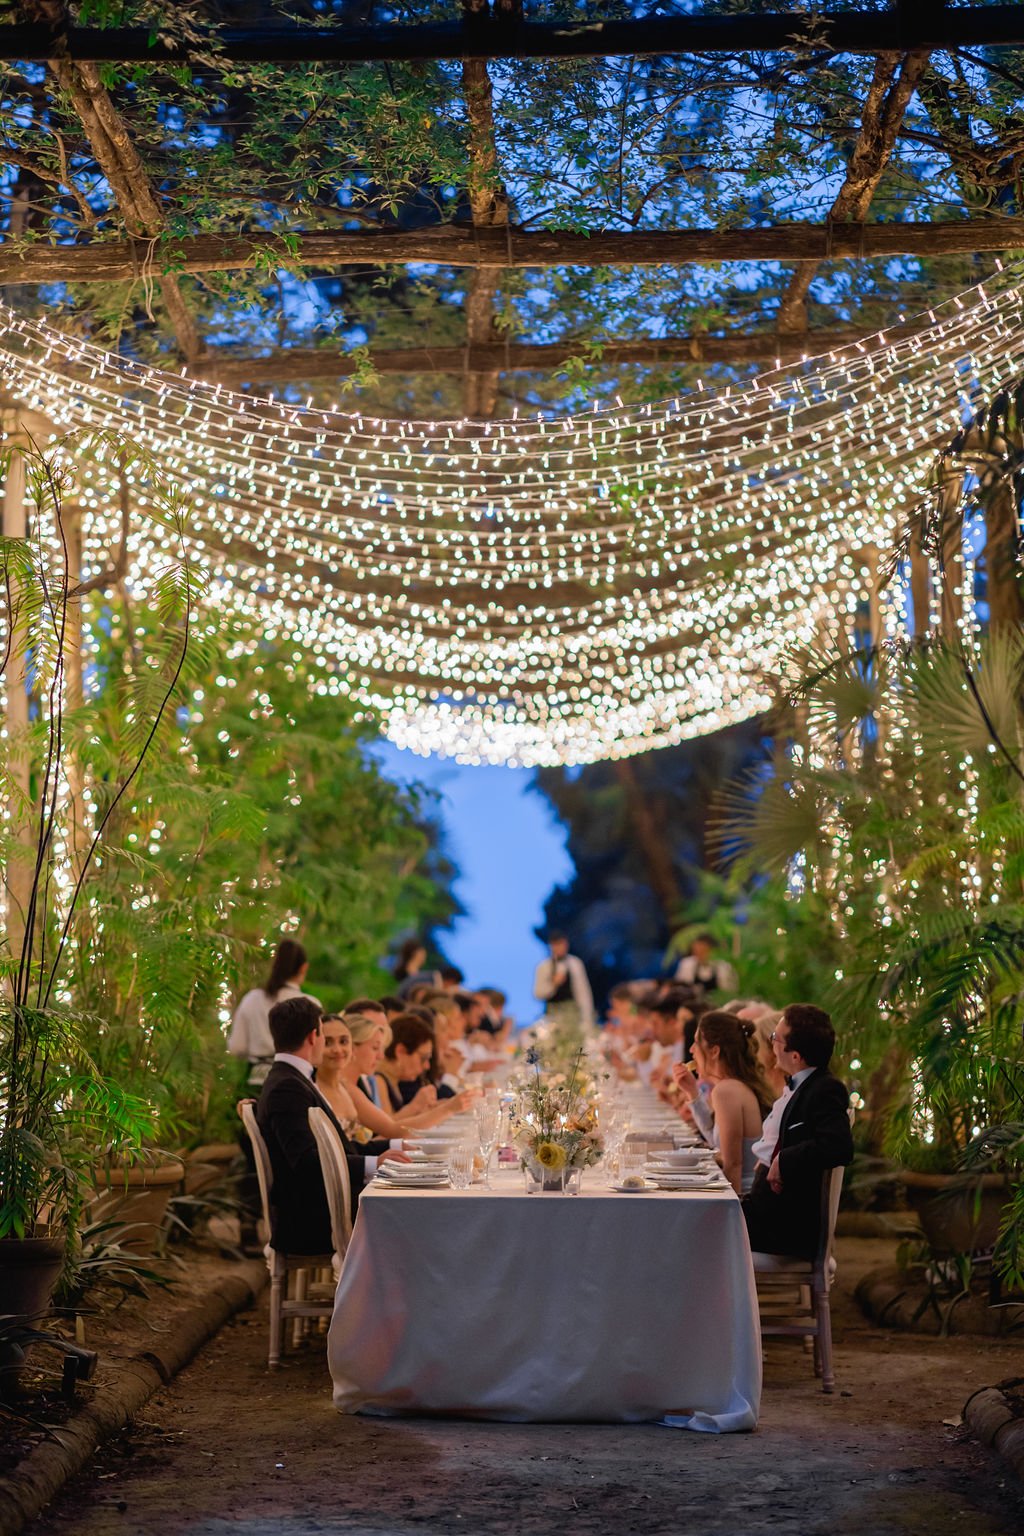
{"points": [[535, 590]]}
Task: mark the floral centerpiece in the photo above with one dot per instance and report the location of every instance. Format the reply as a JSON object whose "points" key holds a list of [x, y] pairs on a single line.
{"points": [[555, 1122]]}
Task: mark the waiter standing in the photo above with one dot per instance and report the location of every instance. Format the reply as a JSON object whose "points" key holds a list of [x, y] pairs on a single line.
{"points": [[561, 985]]}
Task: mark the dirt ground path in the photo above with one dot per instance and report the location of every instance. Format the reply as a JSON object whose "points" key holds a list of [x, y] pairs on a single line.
{"points": [[227, 1447]]}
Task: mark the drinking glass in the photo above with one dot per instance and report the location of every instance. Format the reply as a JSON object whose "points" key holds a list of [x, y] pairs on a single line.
{"points": [[460, 1166], [488, 1119]]}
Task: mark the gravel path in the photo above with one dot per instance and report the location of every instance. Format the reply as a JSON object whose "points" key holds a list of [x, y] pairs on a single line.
{"points": [[227, 1447]]}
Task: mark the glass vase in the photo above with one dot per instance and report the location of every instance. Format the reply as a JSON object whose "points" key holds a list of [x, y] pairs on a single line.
{"points": [[539, 1180]]}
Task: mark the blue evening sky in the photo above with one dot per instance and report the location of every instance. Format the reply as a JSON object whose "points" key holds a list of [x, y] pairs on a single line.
{"points": [[510, 851]]}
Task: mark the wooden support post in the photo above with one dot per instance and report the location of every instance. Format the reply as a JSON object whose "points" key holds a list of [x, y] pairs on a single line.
{"points": [[1002, 561], [951, 605], [74, 685], [876, 636], [18, 867]]}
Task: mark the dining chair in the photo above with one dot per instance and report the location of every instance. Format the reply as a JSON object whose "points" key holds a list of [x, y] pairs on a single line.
{"points": [[334, 1167], [293, 1271], [778, 1276]]}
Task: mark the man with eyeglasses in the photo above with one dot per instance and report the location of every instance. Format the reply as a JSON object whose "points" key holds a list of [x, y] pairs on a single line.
{"points": [[783, 1209]]}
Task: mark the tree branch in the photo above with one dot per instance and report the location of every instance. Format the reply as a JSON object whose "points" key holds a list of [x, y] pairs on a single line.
{"points": [[884, 110]]}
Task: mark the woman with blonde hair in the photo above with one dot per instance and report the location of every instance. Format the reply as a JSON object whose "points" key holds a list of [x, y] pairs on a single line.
{"points": [[369, 1038], [725, 1055], [764, 1025]]}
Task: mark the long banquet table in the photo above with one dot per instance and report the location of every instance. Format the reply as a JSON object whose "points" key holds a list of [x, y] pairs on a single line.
{"points": [[494, 1304]]}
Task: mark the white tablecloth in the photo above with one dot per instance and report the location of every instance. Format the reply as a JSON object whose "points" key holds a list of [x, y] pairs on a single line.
{"points": [[606, 1306]]}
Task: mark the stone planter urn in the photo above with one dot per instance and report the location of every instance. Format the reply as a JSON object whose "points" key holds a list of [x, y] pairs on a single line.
{"points": [[137, 1198], [959, 1212]]}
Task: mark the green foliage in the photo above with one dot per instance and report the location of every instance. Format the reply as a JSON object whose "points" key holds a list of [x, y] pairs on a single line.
{"points": [[903, 828], [261, 813], [583, 144], [60, 1116]]}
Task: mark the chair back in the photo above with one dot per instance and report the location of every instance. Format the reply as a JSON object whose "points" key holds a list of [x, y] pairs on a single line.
{"points": [[247, 1114], [334, 1166], [831, 1189]]}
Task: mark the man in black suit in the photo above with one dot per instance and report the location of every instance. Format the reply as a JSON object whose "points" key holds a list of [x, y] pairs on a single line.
{"points": [[783, 1209], [300, 1220]]}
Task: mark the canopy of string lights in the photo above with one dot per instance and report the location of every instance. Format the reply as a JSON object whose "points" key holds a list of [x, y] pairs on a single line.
{"points": [[539, 590]]}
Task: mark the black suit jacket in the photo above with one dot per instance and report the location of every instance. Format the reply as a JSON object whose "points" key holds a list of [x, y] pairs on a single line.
{"points": [[814, 1136], [299, 1219]]}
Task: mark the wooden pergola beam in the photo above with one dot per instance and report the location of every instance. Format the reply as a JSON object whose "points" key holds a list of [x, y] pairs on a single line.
{"points": [[907, 25], [294, 364], [458, 245]]}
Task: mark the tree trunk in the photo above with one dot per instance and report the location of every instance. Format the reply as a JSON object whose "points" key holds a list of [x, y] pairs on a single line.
{"points": [[656, 857]]}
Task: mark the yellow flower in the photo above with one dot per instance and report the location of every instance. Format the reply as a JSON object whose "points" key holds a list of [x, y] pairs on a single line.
{"points": [[550, 1155]]}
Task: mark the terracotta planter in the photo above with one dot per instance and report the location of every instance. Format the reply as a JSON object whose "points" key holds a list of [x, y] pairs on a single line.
{"points": [[208, 1165], [29, 1269], [958, 1213], [137, 1198]]}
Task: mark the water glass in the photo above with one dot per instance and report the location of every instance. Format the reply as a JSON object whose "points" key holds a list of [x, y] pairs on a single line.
{"points": [[460, 1166]]}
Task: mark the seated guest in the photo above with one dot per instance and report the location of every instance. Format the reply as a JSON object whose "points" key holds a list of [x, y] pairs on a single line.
{"points": [[451, 978], [299, 1217], [373, 1130], [765, 1022], [783, 1209], [477, 1049], [449, 1060], [369, 1007], [373, 1108], [726, 1057], [408, 1056], [495, 1021], [392, 1006]]}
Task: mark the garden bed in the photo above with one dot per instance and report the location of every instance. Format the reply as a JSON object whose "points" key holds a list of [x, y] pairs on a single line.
{"points": [[119, 1328]]}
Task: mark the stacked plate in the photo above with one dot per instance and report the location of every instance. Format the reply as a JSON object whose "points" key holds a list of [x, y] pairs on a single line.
{"points": [[707, 1175], [429, 1175]]}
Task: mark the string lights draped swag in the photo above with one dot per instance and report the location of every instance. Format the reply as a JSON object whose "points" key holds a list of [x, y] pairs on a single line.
{"points": [[546, 590]]}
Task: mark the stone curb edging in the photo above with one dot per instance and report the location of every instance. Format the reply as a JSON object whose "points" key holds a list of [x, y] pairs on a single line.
{"points": [[988, 1416], [29, 1488]]}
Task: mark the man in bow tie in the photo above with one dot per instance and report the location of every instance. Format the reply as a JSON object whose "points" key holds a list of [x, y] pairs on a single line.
{"points": [[783, 1209], [299, 1216]]}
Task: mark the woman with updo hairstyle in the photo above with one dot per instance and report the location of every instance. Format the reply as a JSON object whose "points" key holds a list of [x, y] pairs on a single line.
{"points": [[370, 1038], [725, 1055], [408, 1056]]}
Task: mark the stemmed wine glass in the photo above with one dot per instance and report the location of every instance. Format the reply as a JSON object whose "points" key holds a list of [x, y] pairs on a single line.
{"points": [[488, 1119]]}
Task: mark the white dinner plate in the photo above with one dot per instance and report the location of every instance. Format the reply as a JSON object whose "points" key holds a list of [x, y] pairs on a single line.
{"points": [[682, 1184], [412, 1169], [434, 1182]]}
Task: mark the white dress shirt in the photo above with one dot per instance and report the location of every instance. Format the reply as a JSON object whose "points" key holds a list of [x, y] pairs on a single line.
{"points": [[250, 1028], [301, 1064], [545, 984], [764, 1147]]}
